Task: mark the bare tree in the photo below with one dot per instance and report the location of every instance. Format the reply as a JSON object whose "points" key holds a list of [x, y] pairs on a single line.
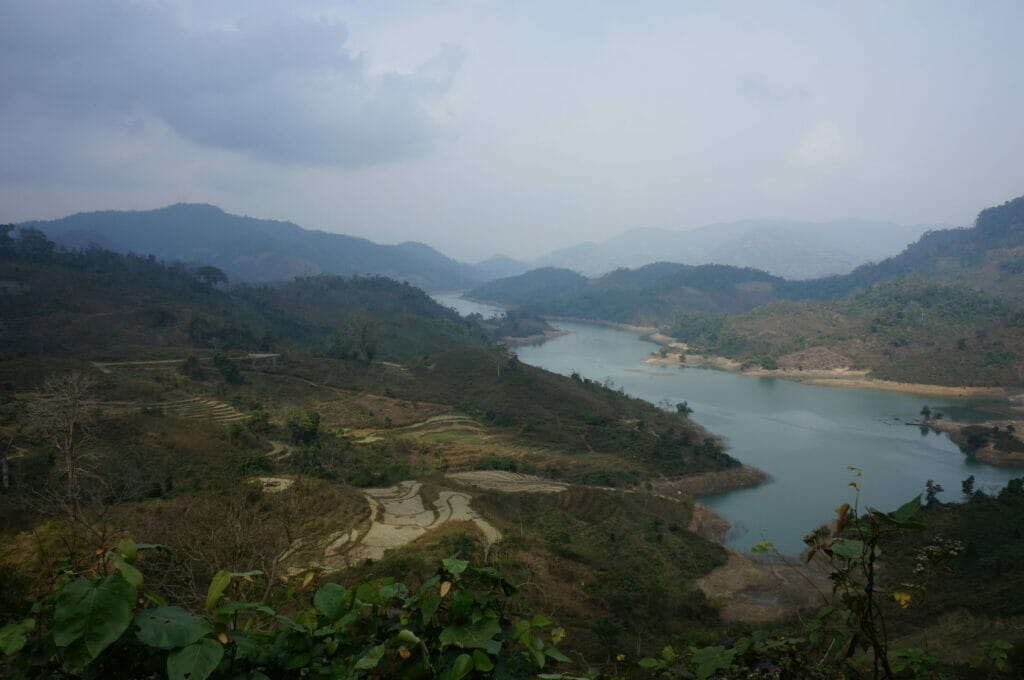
{"points": [[64, 412]]}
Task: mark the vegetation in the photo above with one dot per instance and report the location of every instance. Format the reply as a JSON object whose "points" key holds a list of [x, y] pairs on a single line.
{"points": [[908, 329], [233, 429], [98, 624], [255, 250]]}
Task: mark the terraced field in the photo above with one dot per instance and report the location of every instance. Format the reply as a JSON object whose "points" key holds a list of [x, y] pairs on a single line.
{"points": [[199, 408], [509, 482], [400, 515], [452, 427], [194, 408]]}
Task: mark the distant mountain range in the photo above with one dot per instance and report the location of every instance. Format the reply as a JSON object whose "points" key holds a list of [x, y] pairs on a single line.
{"points": [[257, 250], [792, 250], [988, 257]]}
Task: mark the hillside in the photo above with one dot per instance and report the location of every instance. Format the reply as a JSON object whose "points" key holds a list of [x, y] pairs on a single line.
{"points": [[908, 330], [255, 250], [248, 435], [786, 248], [646, 295], [259, 428], [989, 257]]}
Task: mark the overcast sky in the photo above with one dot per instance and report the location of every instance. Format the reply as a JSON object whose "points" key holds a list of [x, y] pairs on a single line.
{"points": [[486, 126]]}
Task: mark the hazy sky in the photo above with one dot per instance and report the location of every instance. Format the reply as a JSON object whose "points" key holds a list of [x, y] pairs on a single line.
{"points": [[517, 127]]}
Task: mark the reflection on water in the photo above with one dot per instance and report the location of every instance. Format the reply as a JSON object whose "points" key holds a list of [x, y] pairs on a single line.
{"points": [[804, 436]]}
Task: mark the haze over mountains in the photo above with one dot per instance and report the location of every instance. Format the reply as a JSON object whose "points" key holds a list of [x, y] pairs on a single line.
{"points": [[786, 248], [256, 250], [259, 250]]}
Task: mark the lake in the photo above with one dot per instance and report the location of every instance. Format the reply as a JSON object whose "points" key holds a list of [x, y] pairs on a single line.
{"points": [[804, 436]]}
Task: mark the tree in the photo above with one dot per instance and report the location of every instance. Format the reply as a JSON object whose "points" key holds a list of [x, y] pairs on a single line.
{"points": [[228, 369], [967, 486], [683, 409], [304, 428], [926, 412], [63, 412], [932, 490], [6, 241], [210, 275], [33, 244]]}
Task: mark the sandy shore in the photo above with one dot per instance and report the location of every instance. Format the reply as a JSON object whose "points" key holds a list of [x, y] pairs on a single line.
{"points": [[533, 339], [706, 483], [834, 377], [599, 322], [988, 454]]}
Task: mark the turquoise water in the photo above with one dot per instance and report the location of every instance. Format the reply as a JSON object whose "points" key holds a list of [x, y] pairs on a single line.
{"points": [[467, 307], [803, 436]]}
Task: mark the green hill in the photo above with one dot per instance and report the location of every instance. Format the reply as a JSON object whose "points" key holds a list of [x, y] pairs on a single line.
{"points": [[908, 329], [255, 250]]}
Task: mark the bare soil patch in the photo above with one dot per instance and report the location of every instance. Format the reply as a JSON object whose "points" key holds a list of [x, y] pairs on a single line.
{"points": [[711, 482]]}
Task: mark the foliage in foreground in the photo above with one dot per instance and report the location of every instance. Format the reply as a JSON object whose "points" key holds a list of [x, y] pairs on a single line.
{"points": [[102, 624]]}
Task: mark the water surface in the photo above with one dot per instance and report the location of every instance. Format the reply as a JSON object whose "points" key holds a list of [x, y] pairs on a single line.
{"points": [[804, 436], [467, 307]]}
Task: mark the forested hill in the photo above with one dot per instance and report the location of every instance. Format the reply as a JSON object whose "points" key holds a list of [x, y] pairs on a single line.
{"points": [[98, 304], [908, 329], [256, 250], [988, 257], [647, 295]]}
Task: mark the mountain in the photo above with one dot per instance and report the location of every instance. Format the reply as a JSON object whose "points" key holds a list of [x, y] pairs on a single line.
{"points": [[500, 266], [987, 257], [646, 295], [537, 284], [793, 250], [255, 250]]}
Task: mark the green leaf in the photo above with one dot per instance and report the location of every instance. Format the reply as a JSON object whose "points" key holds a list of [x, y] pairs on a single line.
{"points": [[370, 659], [407, 636], [14, 635], [307, 619], [195, 662], [473, 636], [330, 600], [156, 599], [246, 649], [130, 573], [428, 607], [849, 548], [454, 566], [169, 627], [220, 581], [129, 551], [96, 612], [462, 665], [482, 662], [152, 546], [539, 621], [907, 510], [710, 660], [556, 655], [648, 662]]}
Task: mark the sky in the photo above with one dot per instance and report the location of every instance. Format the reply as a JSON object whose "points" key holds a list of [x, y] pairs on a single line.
{"points": [[488, 126]]}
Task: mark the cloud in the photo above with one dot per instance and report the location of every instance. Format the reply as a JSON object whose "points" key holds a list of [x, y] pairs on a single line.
{"points": [[827, 146], [757, 87], [281, 89]]}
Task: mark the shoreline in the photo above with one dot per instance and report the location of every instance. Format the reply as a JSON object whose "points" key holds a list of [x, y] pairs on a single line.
{"points": [[534, 339], [646, 330], [712, 482], [831, 377], [988, 454]]}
